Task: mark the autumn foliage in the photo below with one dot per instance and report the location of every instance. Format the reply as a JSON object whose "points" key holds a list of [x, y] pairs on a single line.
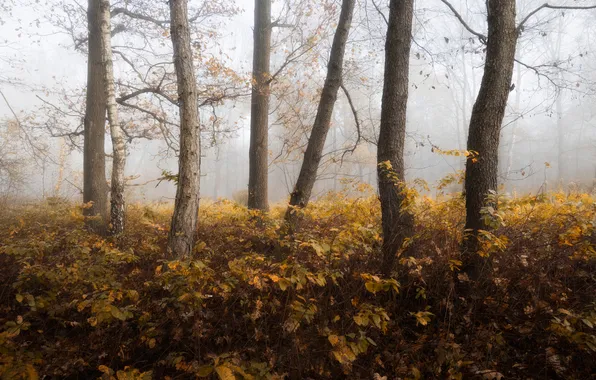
{"points": [[254, 303]]}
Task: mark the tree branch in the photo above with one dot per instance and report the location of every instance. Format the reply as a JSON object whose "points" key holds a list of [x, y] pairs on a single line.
{"points": [[355, 113], [139, 16], [480, 36], [148, 90], [549, 6], [381, 13]]}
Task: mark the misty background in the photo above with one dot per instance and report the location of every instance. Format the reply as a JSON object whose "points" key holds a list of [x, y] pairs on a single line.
{"points": [[547, 140]]}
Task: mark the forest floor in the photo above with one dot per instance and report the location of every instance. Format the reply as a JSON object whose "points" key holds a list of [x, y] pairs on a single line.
{"points": [[253, 304]]}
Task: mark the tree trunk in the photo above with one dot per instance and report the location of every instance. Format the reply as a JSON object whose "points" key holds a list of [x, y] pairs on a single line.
{"points": [[397, 223], [186, 208], [560, 138], [118, 143], [95, 189], [485, 126], [518, 87], [259, 111], [314, 150]]}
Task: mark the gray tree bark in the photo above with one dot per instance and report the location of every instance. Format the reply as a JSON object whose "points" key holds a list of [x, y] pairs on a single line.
{"points": [[485, 125], [397, 223], [95, 189], [117, 207], [186, 207], [259, 111], [314, 150]]}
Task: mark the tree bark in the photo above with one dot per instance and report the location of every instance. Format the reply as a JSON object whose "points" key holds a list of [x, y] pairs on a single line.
{"points": [[186, 208], [259, 111], [397, 222], [485, 125], [95, 189], [117, 218], [316, 143]]}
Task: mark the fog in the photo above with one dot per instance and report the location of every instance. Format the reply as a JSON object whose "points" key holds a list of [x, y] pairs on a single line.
{"points": [[547, 140]]}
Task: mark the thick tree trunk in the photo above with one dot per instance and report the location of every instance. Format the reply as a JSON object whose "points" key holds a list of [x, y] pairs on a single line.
{"points": [[397, 222], [485, 126], [259, 111], [118, 143], [95, 189], [186, 208], [314, 150]]}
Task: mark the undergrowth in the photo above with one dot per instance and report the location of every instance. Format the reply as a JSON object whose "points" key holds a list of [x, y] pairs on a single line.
{"points": [[257, 304]]}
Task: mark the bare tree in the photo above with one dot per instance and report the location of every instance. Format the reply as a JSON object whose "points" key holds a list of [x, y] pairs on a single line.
{"points": [[487, 118], [95, 189], [186, 208], [396, 220], [118, 142], [485, 126], [259, 112], [314, 150]]}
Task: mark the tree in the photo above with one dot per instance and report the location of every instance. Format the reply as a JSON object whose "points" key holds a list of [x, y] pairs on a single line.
{"points": [[486, 120], [314, 150], [397, 222], [485, 126], [118, 142], [186, 207], [95, 190], [259, 111]]}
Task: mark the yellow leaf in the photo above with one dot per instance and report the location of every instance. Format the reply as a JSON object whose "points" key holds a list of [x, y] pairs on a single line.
{"points": [[283, 283], [415, 372], [204, 371], [117, 313], [225, 373], [274, 277], [31, 372], [333, 339]]}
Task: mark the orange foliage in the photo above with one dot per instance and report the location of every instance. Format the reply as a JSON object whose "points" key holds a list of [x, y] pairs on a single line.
{"points": [[254, 304]]}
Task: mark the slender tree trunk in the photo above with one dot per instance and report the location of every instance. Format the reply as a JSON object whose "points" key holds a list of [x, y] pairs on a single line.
{"points": [[186, 208], [560, 139], [95, 189], [559, 110], [259, 111], [216, 174], [118, 143], [397, 223], [518, 87], [61, 166], [465, 90], [316, 143], [485, 126], [335, 149]]}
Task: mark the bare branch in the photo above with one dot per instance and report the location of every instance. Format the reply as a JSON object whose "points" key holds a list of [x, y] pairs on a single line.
{"points": [[480, 36], [549, 6], [138, 16], [148, 90], [355, 113], [381, 13]]}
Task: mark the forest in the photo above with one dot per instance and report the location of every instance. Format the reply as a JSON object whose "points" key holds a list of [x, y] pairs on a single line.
{"points": [[297, 189]]}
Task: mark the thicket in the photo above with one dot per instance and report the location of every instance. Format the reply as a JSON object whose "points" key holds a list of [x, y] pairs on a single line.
{"points": [[254, 303]]}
